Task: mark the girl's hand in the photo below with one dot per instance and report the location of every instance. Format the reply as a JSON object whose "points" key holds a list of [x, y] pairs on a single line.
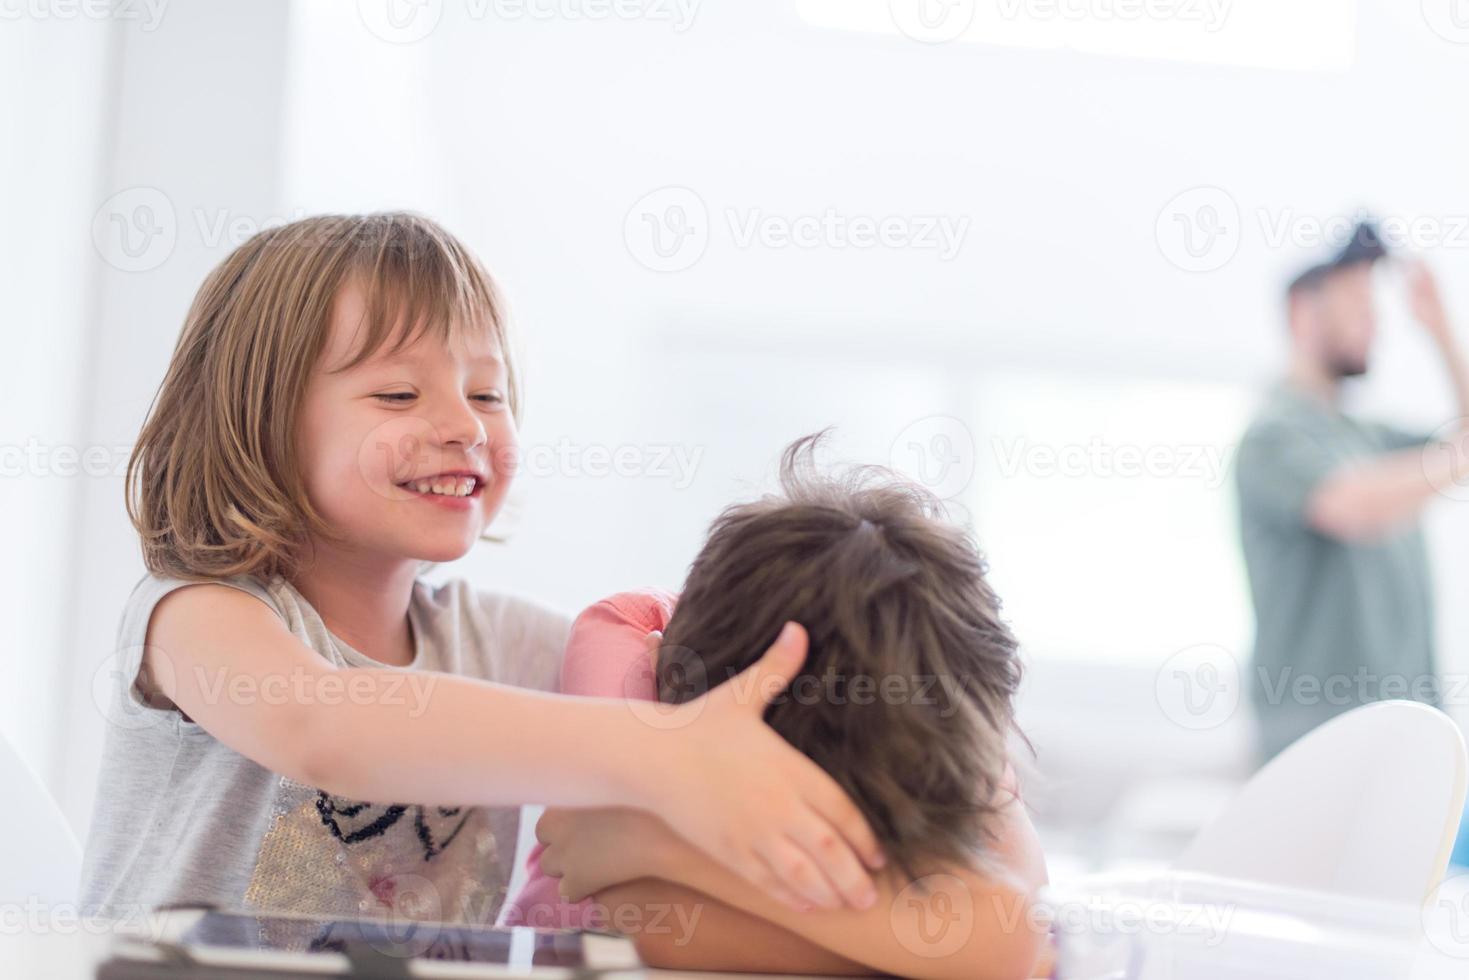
{"points": [[732, 787], [593, 850]]}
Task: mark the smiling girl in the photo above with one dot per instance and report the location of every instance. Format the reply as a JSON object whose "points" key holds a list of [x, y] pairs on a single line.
{"points": [[300, 722]]}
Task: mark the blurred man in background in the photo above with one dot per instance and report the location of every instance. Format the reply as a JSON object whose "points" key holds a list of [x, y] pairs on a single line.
{"points": [[1330, 511]]}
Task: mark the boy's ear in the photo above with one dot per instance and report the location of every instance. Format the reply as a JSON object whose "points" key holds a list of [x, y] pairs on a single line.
{"points": [[651, 643]]}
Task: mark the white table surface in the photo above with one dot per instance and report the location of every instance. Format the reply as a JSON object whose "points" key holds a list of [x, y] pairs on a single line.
{"points": [[75, 954]]}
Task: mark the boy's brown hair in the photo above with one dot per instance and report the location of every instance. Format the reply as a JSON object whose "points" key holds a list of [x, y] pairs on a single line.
{"points": [[213, 484], [906, 697]]}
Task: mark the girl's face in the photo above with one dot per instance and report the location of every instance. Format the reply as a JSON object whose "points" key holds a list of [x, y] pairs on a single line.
{"points": [[407, 455]]}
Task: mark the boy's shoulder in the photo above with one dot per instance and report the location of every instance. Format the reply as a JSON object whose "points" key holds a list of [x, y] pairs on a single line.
{"points": [[649, 608], [608, 653]]}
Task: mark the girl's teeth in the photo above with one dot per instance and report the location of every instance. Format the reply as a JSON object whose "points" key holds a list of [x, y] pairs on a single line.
{"points": [[459, 487]]}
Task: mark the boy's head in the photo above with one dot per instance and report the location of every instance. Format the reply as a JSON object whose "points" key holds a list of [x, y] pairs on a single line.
{"points": [[906, 695], [328, 368]]}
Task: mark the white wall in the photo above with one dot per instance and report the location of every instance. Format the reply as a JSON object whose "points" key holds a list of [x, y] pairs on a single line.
{"points": [[196, 147], [547, 133], [535, 139], [54, 73]]}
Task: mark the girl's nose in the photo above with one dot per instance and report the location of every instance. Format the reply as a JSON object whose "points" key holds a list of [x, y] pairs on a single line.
{"points": [[457, 424]]}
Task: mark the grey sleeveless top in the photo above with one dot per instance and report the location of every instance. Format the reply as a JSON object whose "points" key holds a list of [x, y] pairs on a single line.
{"points": [[180, 817]]}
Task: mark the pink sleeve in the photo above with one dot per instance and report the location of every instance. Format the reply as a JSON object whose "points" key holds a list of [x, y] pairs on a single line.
{"points": [[606, 656]]}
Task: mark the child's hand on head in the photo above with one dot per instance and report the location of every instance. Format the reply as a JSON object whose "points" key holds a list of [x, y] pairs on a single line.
{"points": [[732, 787]]}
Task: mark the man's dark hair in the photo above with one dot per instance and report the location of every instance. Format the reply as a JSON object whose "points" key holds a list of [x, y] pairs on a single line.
{"points": [[1364, 245], [894, 599]]}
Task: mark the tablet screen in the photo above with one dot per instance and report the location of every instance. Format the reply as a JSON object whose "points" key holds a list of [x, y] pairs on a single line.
{"points": [[399, 938]]}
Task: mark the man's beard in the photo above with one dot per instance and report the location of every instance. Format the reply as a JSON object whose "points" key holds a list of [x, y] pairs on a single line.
{"points": [[1342, 368]]}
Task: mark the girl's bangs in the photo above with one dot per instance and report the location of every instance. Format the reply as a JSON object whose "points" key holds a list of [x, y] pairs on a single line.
{"points": [[417, 284]]}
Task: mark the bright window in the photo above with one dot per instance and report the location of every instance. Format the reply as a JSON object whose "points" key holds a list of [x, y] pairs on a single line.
{"points": [[1107, 510]]}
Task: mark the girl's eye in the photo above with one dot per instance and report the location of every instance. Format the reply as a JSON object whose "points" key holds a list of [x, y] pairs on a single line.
{"points": [[490, 398]]}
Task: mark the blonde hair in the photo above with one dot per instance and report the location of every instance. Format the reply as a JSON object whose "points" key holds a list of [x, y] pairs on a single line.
{"points": [[214, 488]]}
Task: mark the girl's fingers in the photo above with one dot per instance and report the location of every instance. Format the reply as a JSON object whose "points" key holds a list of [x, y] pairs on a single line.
{"points": [[797, 871], [760, 682], [773, 887], [834, 856], [836, 808], [753, 869]]}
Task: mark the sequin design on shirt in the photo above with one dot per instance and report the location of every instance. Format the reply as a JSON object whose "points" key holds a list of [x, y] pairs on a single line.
{"points": [[330, 856], [352, 822]]}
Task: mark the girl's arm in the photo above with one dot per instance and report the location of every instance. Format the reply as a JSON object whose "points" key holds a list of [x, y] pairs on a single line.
{"points": [[711, 767]]}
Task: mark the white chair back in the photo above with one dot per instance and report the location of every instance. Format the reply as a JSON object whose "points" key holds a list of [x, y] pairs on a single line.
{"points": [[1365, 806]]}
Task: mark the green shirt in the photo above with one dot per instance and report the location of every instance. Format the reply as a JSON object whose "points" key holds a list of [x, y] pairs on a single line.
{"points": [[1338, 623]]}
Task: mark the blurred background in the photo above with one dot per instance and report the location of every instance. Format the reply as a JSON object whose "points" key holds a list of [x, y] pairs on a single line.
{"points": [[1032, 252]]}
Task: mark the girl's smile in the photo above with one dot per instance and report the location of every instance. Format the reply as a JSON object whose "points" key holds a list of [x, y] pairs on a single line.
{"points": [[457, 489]]}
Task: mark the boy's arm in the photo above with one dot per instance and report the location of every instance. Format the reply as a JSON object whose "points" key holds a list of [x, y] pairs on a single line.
{"points": [[960, 926], [719, 937], [677, 928], [952, 923]]}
